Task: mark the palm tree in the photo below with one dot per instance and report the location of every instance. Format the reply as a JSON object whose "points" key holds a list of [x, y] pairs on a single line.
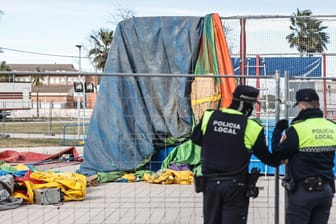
{"points": [[37, 81], [307, 33], [101, 41]]}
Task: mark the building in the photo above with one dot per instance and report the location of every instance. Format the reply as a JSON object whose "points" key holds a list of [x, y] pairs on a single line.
{"points": [[14, 96], [55, 91]]}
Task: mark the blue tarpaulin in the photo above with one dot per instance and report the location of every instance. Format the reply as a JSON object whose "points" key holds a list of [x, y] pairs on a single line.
{"points": [[134, 114]]}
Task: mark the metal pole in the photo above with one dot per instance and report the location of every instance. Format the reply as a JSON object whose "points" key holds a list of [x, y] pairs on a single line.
{"points": [[84, 97], [324, 63], [276, 174], [78, 96], [242, 50], [257, 83], [51, 105], [286, 94], [286, 117]]}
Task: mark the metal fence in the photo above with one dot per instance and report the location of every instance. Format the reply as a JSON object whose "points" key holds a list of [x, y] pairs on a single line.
{"points": [[139, 202], [158, 203]]}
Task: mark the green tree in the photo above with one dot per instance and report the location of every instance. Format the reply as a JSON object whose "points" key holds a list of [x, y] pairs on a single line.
{"points": [[307, 33], [37, 81], [5, 67], [101, 41]]}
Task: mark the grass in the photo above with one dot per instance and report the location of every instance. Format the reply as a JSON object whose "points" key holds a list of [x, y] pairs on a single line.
{"points": [[28, 142], [57, 128], [10, 143], [38, 128]]}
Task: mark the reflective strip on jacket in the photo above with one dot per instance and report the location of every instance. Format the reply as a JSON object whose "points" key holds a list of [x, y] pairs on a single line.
{"points": [[252, 131], [316, 135]]}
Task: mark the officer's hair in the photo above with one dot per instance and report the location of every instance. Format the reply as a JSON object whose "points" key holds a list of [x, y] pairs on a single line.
{"points": [[311, 104]]}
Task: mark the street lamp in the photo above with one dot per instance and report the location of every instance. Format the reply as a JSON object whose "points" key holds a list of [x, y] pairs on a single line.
{"points": [[84, 93], [78, 94], [79, 56]]}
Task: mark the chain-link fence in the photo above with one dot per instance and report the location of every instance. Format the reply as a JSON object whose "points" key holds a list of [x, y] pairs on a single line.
{"points": [[258, 43]]}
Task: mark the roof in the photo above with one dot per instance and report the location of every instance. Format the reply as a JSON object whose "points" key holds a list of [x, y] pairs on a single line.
{"points": [[42, 67], [54, 89]]}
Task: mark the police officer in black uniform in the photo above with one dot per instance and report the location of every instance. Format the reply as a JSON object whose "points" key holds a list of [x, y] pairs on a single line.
{"points": [[309, 145], [228, 138]]}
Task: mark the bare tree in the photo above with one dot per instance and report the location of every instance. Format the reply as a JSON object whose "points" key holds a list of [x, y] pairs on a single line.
{"points": [[122, 14]]}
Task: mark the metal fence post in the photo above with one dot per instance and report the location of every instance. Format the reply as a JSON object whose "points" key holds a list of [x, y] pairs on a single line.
{"points": [[286, 117], [276, 174]]}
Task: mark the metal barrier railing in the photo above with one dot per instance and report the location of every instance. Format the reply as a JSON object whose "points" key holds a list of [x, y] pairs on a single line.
{"points": [[72, 135]]}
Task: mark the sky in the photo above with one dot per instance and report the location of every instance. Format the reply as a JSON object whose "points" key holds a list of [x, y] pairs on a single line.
{"points": [[47, 31]]}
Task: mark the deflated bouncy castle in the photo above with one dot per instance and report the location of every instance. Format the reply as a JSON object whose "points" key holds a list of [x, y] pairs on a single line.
{"points": [[153, 106]]}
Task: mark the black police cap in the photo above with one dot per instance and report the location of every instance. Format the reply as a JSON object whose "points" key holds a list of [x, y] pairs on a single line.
{"points": [[307, 95], [246, 93]]}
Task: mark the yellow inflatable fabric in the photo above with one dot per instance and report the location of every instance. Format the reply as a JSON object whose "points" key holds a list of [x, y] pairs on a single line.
{"points": [[169, 176], [72, 185]]}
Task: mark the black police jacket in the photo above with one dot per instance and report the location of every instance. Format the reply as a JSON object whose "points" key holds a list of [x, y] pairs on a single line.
{"points": [[226, 153], [303, 164]]}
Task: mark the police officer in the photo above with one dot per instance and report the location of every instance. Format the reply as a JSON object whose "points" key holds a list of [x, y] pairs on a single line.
{"points": [[228, 138], [309, 145]]}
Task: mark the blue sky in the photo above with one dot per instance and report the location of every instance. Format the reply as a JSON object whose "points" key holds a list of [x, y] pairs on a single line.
{"points": [[55, 26]]}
